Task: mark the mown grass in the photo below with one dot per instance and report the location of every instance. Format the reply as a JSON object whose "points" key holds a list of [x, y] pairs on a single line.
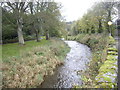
{"points": [[29, 69], [15, 50]]}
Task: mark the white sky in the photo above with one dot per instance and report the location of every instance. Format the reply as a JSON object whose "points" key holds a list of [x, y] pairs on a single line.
{"points": [[74, 9]]}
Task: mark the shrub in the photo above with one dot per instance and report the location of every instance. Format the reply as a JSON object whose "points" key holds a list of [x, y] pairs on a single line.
{"points": [[91, 42], [111, 40], [26, 38], [10, 40]]}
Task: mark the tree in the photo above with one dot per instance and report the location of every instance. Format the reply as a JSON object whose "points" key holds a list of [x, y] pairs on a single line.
{"points": [[51, 18], [36, 21], [96, 18], [18, 9], [108, 6], [8, 26], [45, 18]]}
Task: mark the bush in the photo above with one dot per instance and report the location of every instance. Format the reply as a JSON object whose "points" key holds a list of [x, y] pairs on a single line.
{"points": [[91, 42], [10, 40], [29, 37], [26, 38], [111, 40]]}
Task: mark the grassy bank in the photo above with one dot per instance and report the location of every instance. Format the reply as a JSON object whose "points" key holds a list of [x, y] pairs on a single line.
{"points": [[34, 62]]}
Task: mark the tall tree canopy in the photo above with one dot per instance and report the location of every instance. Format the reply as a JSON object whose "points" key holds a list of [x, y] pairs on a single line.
{"points": [[38, 17], [96, 19]]}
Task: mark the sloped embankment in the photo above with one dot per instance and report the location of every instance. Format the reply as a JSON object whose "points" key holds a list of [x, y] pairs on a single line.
{"points": [[28, 70], [107, 77]]}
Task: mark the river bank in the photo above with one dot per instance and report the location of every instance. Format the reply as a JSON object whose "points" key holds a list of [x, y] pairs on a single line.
{"points": [[99, 45], [29, 69], [68, 74]]}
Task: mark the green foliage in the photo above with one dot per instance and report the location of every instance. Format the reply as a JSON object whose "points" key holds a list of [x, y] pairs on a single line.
{"points": [[108, 67], [41, 20], [110, 57], [105, 85], [92, 42], [29, 37], [110, 61], [95, 20], [8, 26], [54, 32], [112, 49], [111, 40], [112, 53], [101, 78]]}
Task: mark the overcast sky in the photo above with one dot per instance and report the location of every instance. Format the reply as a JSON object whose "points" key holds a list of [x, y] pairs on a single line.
{"points": [[74, 9]]}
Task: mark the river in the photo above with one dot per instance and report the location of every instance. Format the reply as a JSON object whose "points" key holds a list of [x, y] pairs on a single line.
{"points": [[67, 75]]}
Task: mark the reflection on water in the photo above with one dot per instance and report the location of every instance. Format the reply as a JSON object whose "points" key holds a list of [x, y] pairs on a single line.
{"points": [[66, 75]]}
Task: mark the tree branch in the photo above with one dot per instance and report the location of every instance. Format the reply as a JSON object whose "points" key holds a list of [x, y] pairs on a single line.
{"points": [[9, 4]]}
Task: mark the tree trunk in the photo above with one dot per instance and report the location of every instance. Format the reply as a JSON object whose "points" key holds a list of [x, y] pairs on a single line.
{"points": [[37, 36], [19, 31], [100, 27], [109, 19], [47, 35], [36, 33]]}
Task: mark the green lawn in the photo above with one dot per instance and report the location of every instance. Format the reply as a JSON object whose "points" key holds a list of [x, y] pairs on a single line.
{"points": [[14, 49]]}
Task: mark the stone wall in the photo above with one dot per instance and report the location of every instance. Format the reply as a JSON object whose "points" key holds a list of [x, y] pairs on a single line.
{"points": [[107, 77]]}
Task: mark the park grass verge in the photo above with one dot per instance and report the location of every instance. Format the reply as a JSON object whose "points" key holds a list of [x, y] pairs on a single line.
{"points": [[32, 66], [15, 50]]}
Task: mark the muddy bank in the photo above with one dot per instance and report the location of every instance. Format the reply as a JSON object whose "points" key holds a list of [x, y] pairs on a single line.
{"points": [[67, 75]]}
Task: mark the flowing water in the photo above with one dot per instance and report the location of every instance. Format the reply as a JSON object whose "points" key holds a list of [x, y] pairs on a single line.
{"points": [[67, 75]]}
